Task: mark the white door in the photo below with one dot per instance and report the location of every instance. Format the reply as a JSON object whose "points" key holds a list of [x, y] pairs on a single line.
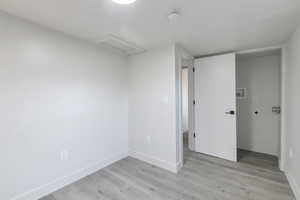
{"points": [[215, 106]]}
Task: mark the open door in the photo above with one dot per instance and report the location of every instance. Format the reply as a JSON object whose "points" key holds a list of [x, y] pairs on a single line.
{"points": [[215, 106]]}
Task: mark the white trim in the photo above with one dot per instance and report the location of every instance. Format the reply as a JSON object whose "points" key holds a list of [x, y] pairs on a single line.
{"points": [[178, 52], [191, 115], [295, 187], [181, 55], [154, 161], [259, 50], [41, 191], [179, 166], [282, 157]]}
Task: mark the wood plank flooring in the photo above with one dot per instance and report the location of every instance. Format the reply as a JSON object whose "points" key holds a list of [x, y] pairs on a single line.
{"points": [[257, 159], [201, 178]]}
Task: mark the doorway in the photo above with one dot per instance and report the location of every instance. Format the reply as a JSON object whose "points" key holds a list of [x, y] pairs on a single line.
{"points": [[186, 138], [258, 96], [185, 105], [215, 123]]}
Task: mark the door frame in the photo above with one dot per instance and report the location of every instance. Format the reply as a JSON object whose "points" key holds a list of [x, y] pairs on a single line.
{"points": [[182, 58], [282, 158], [188, 65]]}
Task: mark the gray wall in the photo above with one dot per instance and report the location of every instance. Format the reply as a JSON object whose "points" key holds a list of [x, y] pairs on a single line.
{"points": [[293, 110], [260, 75], [63, 106]]}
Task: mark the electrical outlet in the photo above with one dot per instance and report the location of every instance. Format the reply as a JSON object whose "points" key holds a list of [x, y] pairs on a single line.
{"points": [[149, 139], [291, 153], [61, 156], [165, 100], [64, 155]]}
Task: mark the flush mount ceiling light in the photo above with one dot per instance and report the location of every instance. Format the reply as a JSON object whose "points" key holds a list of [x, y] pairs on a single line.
{"points": [[124, 1], [173, 16]]}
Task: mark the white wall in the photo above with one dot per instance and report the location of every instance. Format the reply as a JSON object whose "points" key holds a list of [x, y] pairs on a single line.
{"points": [[152, 103], [59, 93], [292, 100], [185, 99], [260, 75]]}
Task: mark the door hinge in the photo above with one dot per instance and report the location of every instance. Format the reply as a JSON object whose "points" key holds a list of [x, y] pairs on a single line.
{"points": [[193, 69], [194, 102], [194, 135]]}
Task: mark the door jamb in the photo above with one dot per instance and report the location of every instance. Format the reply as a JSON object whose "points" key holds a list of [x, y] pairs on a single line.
{"points": [[182, 58]]}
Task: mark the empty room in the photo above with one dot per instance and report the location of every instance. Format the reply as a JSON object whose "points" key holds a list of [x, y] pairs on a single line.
{"points": [[149, 100]]}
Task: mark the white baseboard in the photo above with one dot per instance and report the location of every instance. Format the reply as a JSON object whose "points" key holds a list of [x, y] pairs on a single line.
{"points": [[154, 161], [295, 187], [281, 164], [59, 183], [179, 166]]}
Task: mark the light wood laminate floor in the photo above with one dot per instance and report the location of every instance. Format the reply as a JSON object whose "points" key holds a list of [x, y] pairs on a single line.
{"points": [[258, 159], [201, 178]]}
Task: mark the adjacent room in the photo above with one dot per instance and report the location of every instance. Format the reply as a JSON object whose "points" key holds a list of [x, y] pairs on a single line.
{"points": [[152, 100], [258, 85]]}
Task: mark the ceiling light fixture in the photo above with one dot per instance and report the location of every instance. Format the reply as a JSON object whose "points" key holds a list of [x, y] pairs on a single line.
{"points": [[124, 2], [174, 16]]}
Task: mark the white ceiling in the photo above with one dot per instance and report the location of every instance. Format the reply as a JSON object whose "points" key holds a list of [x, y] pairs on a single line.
{"points": [[205, 26]]}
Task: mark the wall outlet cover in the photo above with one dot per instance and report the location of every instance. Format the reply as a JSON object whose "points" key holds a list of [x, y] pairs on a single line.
{"points": [[291, 153]]}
